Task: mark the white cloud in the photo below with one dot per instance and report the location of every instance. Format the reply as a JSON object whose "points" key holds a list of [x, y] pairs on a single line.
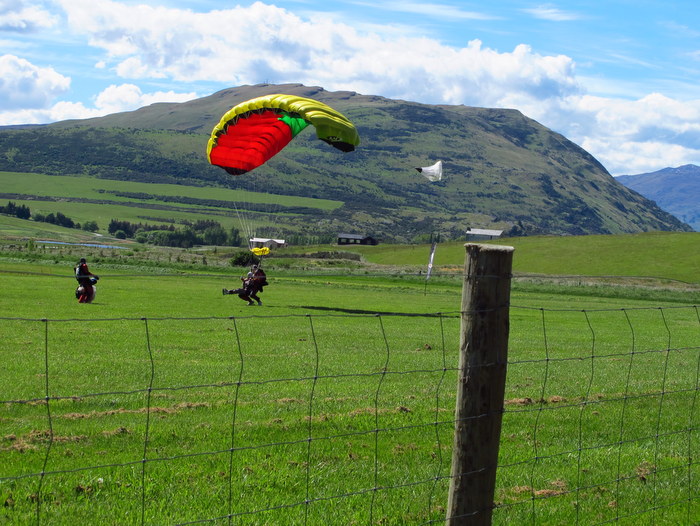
{"points": [[629, 136], [442, 11], [630, 158], [58, 112], [24, 85], [262, 42], [23, 16], [114, 99], [552, 13], [128, 97]]}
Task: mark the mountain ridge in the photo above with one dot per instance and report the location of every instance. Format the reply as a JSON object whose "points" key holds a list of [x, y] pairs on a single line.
{"points": [[676, 190], [502, 169]]}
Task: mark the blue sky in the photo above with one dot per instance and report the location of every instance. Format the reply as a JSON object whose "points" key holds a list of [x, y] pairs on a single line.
{"points": [[620, 78]]}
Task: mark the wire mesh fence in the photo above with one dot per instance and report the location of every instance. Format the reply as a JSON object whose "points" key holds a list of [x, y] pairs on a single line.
{"points": [[606, 402], [344, 419]]}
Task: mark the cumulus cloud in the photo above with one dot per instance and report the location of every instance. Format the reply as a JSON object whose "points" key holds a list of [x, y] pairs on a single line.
{"points": [[241, 44], [127, 97], [645, 134], [627, 136], [27, 96], [24, 85], [23, 16], [630, 157]]}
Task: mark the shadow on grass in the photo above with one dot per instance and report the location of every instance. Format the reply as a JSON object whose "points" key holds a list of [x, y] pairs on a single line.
{"points": [[373, 312]]}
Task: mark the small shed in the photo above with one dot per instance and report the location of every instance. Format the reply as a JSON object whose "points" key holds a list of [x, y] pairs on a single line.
{"points": [[259, 242], [356, 239], [483, 233]]}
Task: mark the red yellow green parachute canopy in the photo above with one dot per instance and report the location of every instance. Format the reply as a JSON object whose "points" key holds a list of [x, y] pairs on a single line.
{"points": [[253, 131]]}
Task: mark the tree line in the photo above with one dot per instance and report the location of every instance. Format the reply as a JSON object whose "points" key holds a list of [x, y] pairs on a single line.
{"points": [[60, 219], [12, 209], [202, 232]]}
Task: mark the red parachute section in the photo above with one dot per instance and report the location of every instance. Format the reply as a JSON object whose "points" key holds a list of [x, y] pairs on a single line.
{"points": [[251, 142]]}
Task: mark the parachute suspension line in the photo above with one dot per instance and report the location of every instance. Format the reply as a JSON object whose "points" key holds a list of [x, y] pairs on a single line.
{"points": [[257, 213], [260, 214], [246, 227]]}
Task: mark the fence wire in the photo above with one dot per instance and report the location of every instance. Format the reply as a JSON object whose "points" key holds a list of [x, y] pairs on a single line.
{"points": [[607, 403], [344, 419]]}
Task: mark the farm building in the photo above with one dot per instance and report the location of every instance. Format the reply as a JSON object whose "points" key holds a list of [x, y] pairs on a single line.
{"points": [[355, 239], [256, 242], [474, 234]]}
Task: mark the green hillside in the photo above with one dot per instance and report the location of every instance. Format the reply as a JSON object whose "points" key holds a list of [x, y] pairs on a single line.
{"points": [[502, 170]]}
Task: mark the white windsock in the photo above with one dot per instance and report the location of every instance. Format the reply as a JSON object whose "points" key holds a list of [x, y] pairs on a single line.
{"points": [[432, 173]]}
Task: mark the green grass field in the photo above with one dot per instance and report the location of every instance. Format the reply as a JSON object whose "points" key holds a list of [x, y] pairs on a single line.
{"points": [[83, 199], [333, 403], [668, 255]]}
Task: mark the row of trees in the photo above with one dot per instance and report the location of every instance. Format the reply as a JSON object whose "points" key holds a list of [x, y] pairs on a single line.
{"points": [[23, 212], [12, 209], [126, 229], [201, 232]]}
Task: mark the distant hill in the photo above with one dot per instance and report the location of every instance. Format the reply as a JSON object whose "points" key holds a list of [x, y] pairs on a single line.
{"points": [[501, 169], [676, 190]]}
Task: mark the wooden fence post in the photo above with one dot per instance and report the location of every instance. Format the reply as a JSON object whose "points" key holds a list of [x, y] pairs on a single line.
{"points": [[481, 383]]}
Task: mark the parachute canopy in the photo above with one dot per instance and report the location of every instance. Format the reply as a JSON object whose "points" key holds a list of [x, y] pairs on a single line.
{"points": [[253, 131], [432, 173]]}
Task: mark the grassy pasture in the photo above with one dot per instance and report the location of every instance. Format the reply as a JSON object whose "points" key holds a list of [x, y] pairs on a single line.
{"points": [[78, 198], [298, 387], [667, 255]]}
